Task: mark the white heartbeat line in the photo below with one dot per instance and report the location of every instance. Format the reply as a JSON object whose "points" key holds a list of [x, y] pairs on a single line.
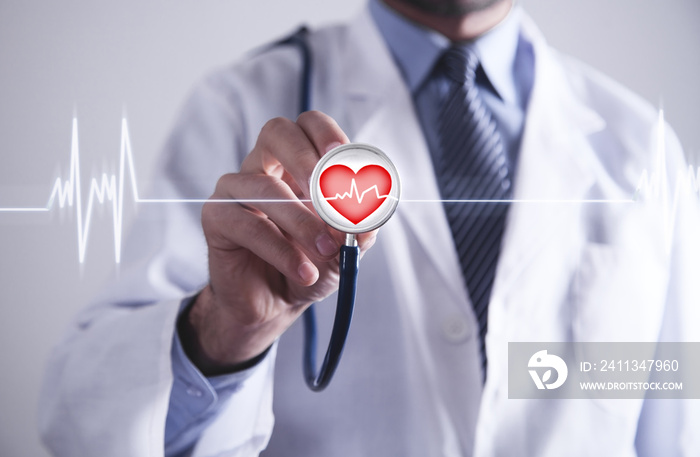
{"points": [[110, 188], [656, 186], [355, 192]]}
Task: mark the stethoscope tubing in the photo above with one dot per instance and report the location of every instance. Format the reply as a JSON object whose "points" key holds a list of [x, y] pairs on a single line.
{"points": [[349, 266]]}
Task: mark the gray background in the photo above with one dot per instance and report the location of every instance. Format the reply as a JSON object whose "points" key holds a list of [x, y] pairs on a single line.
{"points": [[99, 58]]}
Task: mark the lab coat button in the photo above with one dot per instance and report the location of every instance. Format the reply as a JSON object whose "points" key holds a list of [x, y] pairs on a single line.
{"points": [[455, 329]]}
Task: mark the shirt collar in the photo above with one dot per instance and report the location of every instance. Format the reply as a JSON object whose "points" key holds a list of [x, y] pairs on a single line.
{"points": [[417, 48]]}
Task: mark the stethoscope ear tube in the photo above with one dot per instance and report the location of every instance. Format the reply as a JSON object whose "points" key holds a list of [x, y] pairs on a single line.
{"points": [[349, 266]]}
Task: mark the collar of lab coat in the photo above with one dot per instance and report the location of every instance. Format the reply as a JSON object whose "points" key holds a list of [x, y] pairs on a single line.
{"points": [[556, 162]]}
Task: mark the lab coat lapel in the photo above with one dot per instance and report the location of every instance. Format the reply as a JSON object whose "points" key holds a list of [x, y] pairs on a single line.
{"points": [[543, 239], [556, 164], [380, 111]]}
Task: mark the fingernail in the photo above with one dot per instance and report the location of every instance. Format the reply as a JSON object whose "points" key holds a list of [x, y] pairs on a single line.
{"points": [[308, 272], [333, 145], [326, 245]]}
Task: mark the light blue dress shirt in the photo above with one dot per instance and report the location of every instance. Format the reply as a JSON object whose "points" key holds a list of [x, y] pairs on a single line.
{"points": [[507, 62], [508, 65], [195, 399]]}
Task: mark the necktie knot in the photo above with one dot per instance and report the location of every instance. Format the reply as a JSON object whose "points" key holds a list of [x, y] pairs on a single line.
{"points": [[459, 64]]}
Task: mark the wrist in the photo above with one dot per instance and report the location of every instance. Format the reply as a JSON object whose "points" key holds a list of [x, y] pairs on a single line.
{"points": [[214, 343]]}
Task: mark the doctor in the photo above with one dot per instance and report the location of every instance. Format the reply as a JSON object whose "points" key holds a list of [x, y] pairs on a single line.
{"points": [[180, 356]]}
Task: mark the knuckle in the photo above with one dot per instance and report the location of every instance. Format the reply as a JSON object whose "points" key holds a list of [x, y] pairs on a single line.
{"points": [[307, 223], [214, 218], [261, 233], [257, 232], [210, 226], [310, 116], [208, 214], [275, 126], [223, 185], [271, 187], [288, 256]]}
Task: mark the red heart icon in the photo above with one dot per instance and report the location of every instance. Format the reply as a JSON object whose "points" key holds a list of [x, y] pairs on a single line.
{"points": [[355, 195]]}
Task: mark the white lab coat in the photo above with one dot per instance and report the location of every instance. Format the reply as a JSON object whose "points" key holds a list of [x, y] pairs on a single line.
{"points": [[409, 383]]}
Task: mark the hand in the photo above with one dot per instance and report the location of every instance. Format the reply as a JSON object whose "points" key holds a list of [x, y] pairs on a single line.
{"points": [[268, 261]]}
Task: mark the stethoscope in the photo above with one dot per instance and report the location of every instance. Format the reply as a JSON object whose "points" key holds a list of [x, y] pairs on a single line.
{"points": [[355, 188]]}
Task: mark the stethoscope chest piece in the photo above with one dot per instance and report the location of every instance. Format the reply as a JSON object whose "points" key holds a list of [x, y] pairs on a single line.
{"points": [[355, 189]]}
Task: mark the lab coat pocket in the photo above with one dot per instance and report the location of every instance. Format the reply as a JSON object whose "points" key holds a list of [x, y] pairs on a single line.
{"points": [[617, 295]]}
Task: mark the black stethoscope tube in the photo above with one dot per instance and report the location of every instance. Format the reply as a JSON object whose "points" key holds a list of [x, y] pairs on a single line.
{"points": [[349, 263], [349, 266]]}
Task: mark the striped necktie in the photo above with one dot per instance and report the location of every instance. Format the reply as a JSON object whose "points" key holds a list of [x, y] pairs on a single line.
{"points": [[471, 165]]}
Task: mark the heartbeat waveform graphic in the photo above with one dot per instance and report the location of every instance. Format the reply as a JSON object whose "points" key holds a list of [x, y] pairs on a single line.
{"points": [[109, 189], [656, 186], [355, 193]]}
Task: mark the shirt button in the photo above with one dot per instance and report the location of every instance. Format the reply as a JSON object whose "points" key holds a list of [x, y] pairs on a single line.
{"points": [[455, 329], [194, 392]]}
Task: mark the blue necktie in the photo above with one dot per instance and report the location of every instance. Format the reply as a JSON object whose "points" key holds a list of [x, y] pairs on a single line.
{"points": [[471, 165]]}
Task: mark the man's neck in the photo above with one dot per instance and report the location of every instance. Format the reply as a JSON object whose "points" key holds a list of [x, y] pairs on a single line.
{"points": [[456, 28]]}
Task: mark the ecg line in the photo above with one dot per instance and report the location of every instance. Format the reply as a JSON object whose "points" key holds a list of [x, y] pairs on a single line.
{"points": [[523, 200], [656, 185], [70, 192], [360, 197], [110, 188]]}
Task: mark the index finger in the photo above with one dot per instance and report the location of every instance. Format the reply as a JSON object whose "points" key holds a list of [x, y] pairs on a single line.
{"points": [[294, 147], [322, 130]]}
